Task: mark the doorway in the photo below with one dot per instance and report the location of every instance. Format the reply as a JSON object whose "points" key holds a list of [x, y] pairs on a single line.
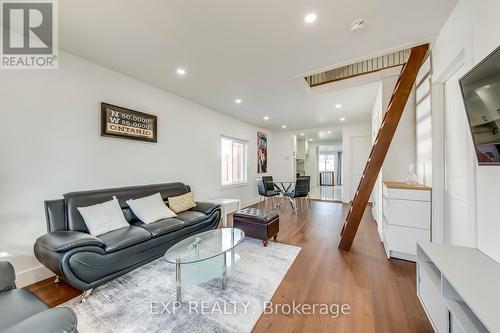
{"points": [[329, 173]]}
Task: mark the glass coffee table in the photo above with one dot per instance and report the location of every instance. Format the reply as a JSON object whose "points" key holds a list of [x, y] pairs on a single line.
{"points": [[204, 256]]}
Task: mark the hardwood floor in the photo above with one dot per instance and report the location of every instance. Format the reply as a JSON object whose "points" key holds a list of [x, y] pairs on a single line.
{"points": [[381, 293]]}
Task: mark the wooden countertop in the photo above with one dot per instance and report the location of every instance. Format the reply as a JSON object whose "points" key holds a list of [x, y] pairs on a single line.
{"points": [[406, 186]]}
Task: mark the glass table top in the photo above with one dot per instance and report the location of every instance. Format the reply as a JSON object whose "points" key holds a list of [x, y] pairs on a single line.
{"points": [[204, 246]]}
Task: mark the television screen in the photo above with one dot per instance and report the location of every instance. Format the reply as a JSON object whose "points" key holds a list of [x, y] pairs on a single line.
{"points": [[481, 92]]}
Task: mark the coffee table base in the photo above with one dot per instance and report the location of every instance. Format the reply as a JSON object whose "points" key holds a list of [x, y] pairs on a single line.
{"points": [[224, 276]]}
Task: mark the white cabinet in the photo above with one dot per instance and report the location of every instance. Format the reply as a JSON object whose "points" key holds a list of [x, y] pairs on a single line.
{"points": [[459, 288], [228, 206], [429, 293], [406, 211]]}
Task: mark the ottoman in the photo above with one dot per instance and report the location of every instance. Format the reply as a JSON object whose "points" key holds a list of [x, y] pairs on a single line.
{"points": [[258, 223]]}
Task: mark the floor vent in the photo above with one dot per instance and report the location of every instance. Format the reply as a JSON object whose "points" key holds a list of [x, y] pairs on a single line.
{"points": [[359, 68]]}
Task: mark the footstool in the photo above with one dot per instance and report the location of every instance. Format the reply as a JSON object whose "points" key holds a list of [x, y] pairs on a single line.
{"points": [[258, 223]]}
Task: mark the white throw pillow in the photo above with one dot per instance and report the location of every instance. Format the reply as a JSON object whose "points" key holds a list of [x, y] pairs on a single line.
{"points": [[103, 217], [150, 209]]}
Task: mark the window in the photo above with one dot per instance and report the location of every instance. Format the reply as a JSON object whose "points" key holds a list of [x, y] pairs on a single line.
{"points": [[326, 162], [234, 161]]}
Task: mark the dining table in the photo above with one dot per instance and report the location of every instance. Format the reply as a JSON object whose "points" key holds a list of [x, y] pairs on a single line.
{"points": [[283, 187]]}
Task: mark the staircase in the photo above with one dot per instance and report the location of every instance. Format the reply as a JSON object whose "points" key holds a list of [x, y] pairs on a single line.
{"points": [[388, 127]]}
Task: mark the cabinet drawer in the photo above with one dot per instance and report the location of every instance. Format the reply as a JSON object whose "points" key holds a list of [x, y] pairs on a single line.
{"points": [[404, 239], [432, 301], [415, 214], [396, 193]]}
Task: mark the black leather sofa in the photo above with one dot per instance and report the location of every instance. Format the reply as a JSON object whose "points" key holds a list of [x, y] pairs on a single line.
{"points": [[21, 311], [86, 261]]}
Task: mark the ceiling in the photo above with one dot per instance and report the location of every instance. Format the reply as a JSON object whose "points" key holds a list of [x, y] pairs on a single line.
{"points": [[329, 149], [250, 50], [321, 136]]}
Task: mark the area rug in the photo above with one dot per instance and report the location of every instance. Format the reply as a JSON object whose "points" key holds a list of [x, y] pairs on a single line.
{"points": [[144, 300]]}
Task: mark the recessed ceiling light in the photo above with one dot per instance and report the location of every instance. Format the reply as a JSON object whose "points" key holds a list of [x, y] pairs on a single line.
{"points": [[310, 18], [338, 106], [301, 134], [266, 118], [181, 71], [329, 132], [238, 101], [284, 126], [310, 140], [342, 119]]}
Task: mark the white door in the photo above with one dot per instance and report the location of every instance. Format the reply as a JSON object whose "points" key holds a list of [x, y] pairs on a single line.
{"points": [[360, 149], [460, 207]]}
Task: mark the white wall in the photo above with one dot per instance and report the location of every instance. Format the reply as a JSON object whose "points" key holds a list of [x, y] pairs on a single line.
{"points": [[402, 151], [282, 165], [301, 149], [423, 124], [350, 131], [51, 144], [377, 115], [472, 32]]}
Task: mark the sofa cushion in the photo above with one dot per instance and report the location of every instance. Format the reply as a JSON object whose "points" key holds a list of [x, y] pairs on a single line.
{"points": [[17, 305], [103, 217], [182, 202], [60, 320], [161, 227], [191, 217], [150, 209], [7, 276], [124, 237]]}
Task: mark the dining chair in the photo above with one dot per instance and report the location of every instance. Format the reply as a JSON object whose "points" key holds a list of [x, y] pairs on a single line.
{"points": [[264, 191], [301, 190], [308, 185], [268, 183]]}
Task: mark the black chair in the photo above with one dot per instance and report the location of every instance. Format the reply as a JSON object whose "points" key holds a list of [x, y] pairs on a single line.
{"points": [[266, 189], [268, 183], [301, 190], [21, 311], [308, 184]]}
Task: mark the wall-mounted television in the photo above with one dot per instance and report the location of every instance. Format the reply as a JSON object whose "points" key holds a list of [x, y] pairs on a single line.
{"points": [[481, 93]]}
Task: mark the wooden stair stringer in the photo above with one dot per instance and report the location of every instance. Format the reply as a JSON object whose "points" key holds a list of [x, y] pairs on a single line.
{"points": [[390, 121]]}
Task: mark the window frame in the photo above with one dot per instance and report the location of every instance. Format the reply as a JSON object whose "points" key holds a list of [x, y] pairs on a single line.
{"points": [[323, 163], [245, 144]]}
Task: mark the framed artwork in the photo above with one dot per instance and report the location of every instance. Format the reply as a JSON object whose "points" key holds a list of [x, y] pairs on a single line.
{"points": [[124, 123], [261, 152]]}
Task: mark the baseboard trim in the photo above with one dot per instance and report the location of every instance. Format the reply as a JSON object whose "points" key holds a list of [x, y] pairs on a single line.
{"points": [[32, 275], [403, 256]]}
